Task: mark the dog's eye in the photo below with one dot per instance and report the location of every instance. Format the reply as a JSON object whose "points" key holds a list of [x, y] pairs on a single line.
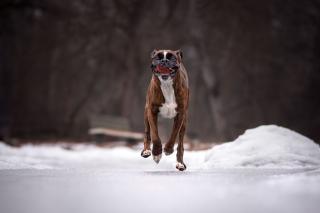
{"points": [[168, 56], [159, 56]]}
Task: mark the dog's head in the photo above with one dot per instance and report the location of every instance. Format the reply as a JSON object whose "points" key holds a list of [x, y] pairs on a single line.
{"points": [[165, 63]]}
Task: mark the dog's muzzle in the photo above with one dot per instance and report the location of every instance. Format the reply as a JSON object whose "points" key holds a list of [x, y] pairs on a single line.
{"points": [[164, 72]]}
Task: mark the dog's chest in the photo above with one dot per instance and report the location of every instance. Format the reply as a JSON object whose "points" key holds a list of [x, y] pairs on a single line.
{"points": [[168, 109]]}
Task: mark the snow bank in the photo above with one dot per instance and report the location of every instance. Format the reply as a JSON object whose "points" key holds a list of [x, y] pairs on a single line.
{"points": [[262, 147], [53, 156], [265, 147]]}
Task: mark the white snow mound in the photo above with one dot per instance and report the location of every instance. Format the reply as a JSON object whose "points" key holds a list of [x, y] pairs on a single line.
{"points": [[268, 146], [263, 147]]}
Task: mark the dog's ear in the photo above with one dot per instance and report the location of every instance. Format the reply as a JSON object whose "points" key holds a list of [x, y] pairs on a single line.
{"points": [[153, 52], [179, 53]]}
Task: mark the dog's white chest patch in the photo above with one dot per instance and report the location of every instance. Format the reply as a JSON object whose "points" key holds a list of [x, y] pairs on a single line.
{"points": [[168, 109]]}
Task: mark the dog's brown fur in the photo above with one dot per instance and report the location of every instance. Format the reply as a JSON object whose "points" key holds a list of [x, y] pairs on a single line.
{"points": [[155, 99]]}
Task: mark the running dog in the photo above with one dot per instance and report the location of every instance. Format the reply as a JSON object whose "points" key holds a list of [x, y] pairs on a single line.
{"points": [[167, 95]]}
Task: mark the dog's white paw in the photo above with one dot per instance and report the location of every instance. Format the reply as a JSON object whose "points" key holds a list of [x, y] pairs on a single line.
{"points": [[145, 153], [166, 152], [157, 158], [181, 166]]}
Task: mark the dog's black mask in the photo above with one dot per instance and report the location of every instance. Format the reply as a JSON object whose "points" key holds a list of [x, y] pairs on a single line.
{"points": [[168, 59]]}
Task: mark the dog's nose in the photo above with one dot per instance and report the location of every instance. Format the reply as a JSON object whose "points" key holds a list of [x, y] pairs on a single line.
{"points": [[164, 60]]}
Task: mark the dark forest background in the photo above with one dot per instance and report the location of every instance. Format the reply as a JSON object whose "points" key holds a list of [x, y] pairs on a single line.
{"points": [[249, 62]]}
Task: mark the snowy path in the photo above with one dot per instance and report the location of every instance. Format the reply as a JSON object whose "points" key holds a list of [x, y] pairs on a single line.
{"points": [[102, 190], [268, 169]]}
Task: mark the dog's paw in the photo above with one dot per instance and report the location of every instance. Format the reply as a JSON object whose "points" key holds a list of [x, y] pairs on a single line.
{"points": [[181, 166], [157, 158], [168, 151], [146, 153]]}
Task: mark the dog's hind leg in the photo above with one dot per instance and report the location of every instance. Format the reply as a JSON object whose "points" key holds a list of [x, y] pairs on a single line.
{"points": [[177, 124], [146, 152], [180, 164]]}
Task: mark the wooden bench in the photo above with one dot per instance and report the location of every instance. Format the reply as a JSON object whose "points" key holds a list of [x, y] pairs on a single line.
{"points": [[113, 126]]}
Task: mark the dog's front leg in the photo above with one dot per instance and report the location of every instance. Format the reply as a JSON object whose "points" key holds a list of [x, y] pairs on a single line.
{"points": [[146, 152], [157, 147], [168, 150], [180, 164]]}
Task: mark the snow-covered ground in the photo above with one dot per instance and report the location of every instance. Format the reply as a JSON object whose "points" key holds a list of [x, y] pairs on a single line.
{"points": [[267, 169]]}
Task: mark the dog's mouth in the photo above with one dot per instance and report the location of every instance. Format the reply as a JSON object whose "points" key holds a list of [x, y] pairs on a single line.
{"points": [[164, 72]]}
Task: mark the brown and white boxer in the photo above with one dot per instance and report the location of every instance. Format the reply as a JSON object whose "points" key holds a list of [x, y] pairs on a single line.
{"points": [[168, 94]]}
